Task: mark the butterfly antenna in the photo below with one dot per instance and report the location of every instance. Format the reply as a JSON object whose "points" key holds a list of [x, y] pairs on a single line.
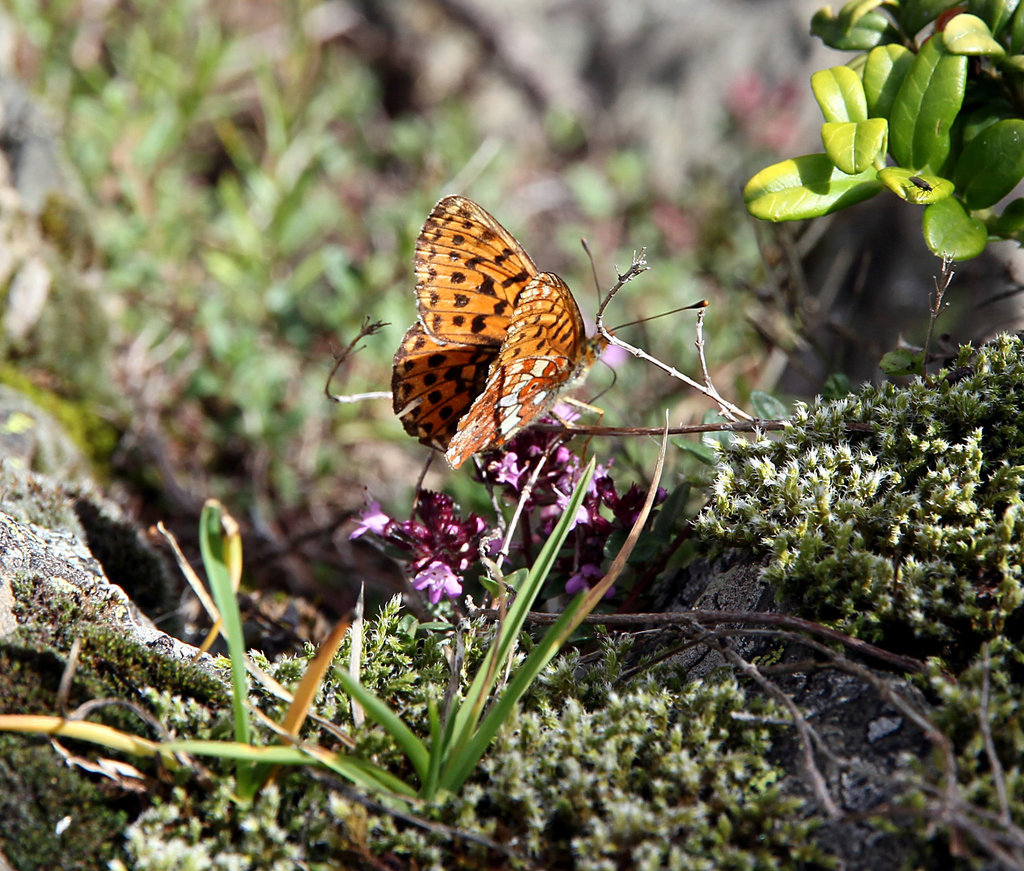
{"points": [[593, 268], [703, 303]]}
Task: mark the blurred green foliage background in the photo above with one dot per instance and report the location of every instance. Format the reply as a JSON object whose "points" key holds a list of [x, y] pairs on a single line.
{"points": [[249, 179]]}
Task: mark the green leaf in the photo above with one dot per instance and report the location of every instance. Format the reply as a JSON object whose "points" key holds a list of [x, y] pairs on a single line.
{"points": [[917, 189], [840, 94], [378, 711], [1017, 31], [968, 34], [926, 105], [902, 361], [806, 187], [915, 14], [950, 232], [1010, 223], [836, 386], [671, 512], [703, 452], [1014, 62], [839, 33], [853, 146], [995, 13], [220, 546], [991, 164], [466, 736], [854, 10], [884, 71], [766, 406], [979, 120]]}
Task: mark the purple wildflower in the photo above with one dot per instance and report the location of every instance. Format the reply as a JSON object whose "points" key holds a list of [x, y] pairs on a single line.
{"points": [[439, 543], [439, 579], [585, 578], [373, 519]]}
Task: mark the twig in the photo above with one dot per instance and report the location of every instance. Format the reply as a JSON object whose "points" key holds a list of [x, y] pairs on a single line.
{"points": [[935, 309], [998, 776], [749, 425], [726, 408], [640, 265], [707, 618], [808, 737], [367, 329], [66, 679]]}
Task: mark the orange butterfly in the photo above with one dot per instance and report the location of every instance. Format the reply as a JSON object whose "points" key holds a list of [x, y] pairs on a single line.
{"points": [[496, 342]]}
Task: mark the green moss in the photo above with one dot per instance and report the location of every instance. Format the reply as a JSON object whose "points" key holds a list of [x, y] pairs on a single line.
{"points": [[987, 691], [31, 499], [37, 789], [40, 796], [588, 775], [92, 434], [114, 663], [911, 518]]}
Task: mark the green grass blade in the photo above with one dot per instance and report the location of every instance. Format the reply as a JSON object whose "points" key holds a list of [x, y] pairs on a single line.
{"points": [[414, 749], [359, 771], [436, 752], [472, 749], [461, 736], [464, 761], [221, 552]]}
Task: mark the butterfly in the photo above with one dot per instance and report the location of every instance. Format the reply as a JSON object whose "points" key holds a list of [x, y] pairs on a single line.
{"points": [[496, 341]]}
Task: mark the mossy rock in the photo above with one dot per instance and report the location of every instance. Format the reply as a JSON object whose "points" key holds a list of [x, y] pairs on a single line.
{"points": [[896, 513]]}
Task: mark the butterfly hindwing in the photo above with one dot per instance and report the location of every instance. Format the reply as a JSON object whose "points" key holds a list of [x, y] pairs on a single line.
{"points": [[433, 385]]}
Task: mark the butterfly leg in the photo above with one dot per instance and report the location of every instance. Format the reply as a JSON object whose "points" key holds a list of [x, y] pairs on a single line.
{"points": [[583, 406]]}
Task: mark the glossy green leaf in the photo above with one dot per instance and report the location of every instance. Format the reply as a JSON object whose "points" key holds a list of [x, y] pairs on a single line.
{"points": [[991, 164], [840, 94], [1014, 62], [853, 146], [917, 189], [1017, 31], [950, 232], [854, 10], [974, 123], [902, 361], [805, 187], [915, 14], [884, 71], [925, 107], [837, 32], [995, 13], [968, 34], [1010, 222]]}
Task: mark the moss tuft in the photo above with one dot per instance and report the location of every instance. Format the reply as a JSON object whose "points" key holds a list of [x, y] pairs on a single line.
{"points": [[916, 523]]}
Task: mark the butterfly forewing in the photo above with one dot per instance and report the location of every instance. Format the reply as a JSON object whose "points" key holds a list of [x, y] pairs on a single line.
{"points": [[542, 355], [469, 272]]}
